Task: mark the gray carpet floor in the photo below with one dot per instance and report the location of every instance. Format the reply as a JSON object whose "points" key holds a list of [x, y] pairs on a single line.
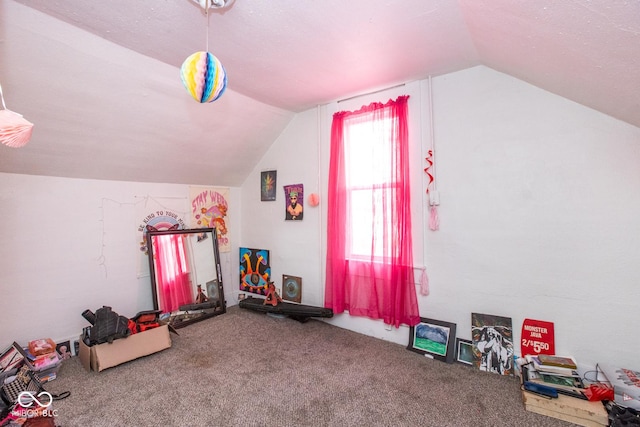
{"points": [[244, 368]]}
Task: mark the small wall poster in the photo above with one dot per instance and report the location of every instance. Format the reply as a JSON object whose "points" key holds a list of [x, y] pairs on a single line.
{"points": [[294, 197], [268, 185], [537, 337], [492, 338]]}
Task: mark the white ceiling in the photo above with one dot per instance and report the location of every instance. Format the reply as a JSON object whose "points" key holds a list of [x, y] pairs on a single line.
{"points": [[100, 80]]}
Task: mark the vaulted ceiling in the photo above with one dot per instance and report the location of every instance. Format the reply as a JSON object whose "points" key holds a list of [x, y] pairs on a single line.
{"points": [[101, 79]]}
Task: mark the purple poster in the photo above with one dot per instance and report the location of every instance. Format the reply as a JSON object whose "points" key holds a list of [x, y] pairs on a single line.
{"points": [[294, 196]]}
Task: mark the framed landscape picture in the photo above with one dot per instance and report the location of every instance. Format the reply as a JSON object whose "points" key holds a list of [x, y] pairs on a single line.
{"points": [[433, 338]]}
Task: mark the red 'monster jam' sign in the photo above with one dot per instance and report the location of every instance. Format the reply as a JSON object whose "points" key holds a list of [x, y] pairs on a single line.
{"points": [[537, 337]]}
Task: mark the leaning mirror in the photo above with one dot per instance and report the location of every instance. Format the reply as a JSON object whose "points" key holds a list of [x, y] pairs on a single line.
{"points": [[186, 279]]}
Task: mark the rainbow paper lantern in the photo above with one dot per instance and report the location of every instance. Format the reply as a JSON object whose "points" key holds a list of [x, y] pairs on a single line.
{"points": [[204, 77]]}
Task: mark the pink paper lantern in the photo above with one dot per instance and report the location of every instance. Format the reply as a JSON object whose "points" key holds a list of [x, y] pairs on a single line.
{"points": [[15, 130], [313, 200]]}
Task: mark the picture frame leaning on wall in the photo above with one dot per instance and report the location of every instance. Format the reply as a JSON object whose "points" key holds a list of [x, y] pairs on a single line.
{"points": [[433, 338], [464, 351]]}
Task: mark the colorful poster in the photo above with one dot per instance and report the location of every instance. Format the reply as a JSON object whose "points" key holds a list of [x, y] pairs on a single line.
{"points": [[268, 186], [255, 271], [209, 208], [492, 338], [294, 197]]}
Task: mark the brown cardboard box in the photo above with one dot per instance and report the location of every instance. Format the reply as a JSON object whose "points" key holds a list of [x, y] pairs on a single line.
{"points": [[102, 356], [577, 411]]}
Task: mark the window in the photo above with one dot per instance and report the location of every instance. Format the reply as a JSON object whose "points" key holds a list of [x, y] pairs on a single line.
{"points": [[367, 175], [369, 244]]}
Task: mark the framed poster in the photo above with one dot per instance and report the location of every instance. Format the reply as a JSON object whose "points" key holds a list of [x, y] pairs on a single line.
{"points": [[433, 338], [255, 271], [268, 185], [492, 338], [64, 349], [291, 288]]}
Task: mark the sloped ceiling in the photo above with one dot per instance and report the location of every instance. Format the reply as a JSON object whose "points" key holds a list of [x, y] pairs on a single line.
{"points": [[101, 79]]}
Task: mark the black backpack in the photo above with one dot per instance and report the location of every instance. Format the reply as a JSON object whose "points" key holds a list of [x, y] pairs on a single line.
{"points": [[107, 326]]}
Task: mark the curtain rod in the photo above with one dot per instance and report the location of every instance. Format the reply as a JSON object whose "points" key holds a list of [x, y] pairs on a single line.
{"points": [[370, 93]]}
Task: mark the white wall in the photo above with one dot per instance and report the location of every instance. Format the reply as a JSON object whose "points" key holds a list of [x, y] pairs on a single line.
{"points": [[539, 196], [294, 246], [73, 244], [538, 203]]}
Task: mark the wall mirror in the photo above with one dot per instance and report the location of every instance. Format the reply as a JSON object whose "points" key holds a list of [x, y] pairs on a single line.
{"points": [[186, 278]]}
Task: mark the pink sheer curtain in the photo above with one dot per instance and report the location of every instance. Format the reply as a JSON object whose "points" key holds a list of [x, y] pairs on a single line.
{"points": [[172, 273], [381, 284]]}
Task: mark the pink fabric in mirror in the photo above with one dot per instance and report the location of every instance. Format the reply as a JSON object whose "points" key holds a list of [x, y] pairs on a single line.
{"points": [[172, 273]]}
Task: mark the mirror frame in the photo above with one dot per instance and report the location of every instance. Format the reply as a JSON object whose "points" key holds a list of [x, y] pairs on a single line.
{"points": [[216, 254]]}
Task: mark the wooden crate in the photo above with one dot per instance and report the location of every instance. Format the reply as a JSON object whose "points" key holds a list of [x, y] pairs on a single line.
{"points": [[566, 408]]}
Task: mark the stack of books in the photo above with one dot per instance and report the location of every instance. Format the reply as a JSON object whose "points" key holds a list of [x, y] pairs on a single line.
{"points": [[557, 372]]}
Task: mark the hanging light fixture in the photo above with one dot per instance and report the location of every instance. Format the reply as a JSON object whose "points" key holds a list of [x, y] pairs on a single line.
{"points": [[15, 131], [216, 4], [202, 73]]}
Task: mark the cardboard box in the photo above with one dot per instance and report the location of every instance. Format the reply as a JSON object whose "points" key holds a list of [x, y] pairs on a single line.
{"points": [[626, 385], [102, 356], [566, 408]]}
